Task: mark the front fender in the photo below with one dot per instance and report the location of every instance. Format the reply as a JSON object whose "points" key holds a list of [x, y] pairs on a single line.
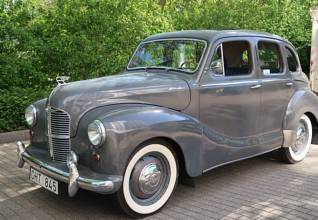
{"points": [[128, 126], [303, 101]]}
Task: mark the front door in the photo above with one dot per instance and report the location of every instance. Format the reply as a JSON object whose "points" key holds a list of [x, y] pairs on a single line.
{"points": [[230, 102]]}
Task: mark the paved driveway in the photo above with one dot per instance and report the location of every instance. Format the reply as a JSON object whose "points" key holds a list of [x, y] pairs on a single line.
{"points": [[258, 188]]}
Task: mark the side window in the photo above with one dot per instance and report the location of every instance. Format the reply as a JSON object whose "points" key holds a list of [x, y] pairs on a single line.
{"points": [[291, 60], [270, 58], [232, 59]]}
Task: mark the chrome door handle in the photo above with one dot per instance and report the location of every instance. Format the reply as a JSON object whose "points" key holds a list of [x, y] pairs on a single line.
{"points": [[256, 86], [289, 84]]}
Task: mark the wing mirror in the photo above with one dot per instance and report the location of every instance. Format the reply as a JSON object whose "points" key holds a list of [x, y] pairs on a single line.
{"points": [[217, 67]]}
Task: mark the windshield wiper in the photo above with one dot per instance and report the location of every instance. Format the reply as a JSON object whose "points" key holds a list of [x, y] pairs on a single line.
{"points": [[151, 68], [167, 69], [177, 70]]}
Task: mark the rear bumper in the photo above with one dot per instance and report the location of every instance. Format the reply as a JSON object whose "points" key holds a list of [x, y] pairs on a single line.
{"points": [[76, 176]]}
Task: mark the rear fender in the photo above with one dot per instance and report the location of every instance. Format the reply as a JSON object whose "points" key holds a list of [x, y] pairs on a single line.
{"points": [[303, 101]]}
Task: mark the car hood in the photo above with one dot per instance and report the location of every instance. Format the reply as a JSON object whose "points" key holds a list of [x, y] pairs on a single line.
{"points": [[162, 89]]}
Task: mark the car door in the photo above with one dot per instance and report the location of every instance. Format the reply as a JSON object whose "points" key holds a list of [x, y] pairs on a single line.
{"points": [[230, 102], [276, 90]]}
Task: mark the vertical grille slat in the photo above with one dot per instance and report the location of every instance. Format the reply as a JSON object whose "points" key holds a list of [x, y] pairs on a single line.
{"points": [[58, 134]]}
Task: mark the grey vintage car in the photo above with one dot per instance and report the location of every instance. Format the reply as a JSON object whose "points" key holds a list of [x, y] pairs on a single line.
{"points": [[188, 102]]}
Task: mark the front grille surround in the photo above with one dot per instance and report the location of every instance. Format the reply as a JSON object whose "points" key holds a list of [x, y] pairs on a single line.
{"points": [[59, 123]]}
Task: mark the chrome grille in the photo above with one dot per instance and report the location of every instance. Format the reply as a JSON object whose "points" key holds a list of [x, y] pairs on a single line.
{"points": [[58, 134]]}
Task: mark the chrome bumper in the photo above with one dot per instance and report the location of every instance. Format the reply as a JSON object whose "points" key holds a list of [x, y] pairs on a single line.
{"points": [[106, 184]]}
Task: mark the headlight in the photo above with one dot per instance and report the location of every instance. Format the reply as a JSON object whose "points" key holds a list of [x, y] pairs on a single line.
{"points": [[96, 133], [30, 115]]}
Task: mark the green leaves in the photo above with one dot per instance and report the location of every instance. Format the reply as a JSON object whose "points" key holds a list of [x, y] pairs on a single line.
{"points": [[41, 39]]}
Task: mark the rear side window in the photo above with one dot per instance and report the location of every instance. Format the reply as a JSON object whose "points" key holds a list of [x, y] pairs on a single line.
{"points": [[270, 58], [232, 59], [291, 60]]}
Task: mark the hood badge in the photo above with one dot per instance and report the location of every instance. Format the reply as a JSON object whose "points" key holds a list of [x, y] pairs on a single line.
{"points": [[61, 80]]}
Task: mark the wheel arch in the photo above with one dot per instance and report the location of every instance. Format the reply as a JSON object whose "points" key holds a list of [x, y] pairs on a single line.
{"points": [[302, 102], [183, 173]]}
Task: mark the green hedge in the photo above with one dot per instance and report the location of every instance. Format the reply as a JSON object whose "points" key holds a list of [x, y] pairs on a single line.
{"points": [[41, 39], [12, 105]]}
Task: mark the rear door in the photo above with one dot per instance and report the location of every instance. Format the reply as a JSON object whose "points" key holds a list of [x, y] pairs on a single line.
{"points": [[276, 90]]}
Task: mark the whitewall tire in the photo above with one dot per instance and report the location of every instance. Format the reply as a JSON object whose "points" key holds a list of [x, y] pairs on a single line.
{"points": [[299, 150], [149, 180]]}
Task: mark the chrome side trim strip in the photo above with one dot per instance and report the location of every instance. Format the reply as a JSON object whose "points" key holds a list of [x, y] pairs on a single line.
{"points": [[230, 83]]}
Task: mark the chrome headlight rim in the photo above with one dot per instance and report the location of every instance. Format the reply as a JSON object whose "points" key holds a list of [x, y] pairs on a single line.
{"points": [[30, 111], [100, 129]]}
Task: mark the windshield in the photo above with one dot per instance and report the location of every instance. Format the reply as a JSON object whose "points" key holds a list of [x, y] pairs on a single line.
{"points": [[182, 55]]}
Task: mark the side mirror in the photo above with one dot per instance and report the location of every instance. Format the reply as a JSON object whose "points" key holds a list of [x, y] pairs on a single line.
{"points": [[217, 67]]}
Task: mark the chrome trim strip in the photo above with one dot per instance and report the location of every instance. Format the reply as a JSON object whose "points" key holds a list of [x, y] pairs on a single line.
{"points": [[166, 39], [58, 136], [48, 117], [230, 83], [52, 93], [223, 65], [265, 80]]}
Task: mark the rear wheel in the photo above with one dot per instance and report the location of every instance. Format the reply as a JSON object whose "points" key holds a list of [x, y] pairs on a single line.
{"points": [[149, 180], [299, 150]]}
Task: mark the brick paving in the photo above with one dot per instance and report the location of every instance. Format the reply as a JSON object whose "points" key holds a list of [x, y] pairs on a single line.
{"points": [[258, 188]]}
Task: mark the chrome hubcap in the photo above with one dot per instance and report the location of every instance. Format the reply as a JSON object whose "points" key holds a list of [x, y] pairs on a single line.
{"points": [[149, 178], [301, 139]]}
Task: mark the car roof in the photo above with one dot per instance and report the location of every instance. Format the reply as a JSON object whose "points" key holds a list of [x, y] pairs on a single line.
{"points": [[208, 35]]}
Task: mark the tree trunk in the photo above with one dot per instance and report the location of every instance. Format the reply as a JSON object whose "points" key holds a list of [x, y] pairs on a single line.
{"points": [[314, 52]]}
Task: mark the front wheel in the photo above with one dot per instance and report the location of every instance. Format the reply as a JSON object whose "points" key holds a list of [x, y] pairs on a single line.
{"points": [[149, 180], [299, 150]]}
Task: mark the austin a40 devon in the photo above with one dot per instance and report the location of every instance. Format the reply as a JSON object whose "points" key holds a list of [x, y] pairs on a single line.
{"points": [[187, 102]]}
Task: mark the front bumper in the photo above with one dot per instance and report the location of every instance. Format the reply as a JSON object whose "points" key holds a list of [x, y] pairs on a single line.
{"points": [[76, 176]]}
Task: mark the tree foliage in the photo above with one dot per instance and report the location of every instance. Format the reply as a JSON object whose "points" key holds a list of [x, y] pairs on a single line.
{"points": [[41, 39]]}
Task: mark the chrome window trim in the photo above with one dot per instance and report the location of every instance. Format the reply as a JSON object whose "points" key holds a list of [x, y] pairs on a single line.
{"points": [[220, 41], [222, 58], [252, 60], [287, 47], [281, 56], [169, 39]]}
